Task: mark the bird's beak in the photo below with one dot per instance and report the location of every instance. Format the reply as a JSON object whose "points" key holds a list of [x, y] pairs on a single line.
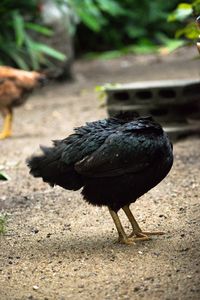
{"points": [[43, 80]]}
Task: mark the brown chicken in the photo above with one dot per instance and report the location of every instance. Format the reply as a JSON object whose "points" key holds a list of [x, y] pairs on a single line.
{"points": [[15, 87]]}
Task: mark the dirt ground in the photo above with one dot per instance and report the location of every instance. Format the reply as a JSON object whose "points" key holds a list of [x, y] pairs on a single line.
{"points": [[57, 246]]}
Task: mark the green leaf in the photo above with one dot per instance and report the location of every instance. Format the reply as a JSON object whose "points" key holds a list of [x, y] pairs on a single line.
{"points": [[174, 44], [18, 26], [89, 13], [185, 6], [196, 6], [111, 7], [170, 44], [38, 28], [144, 46], [48, 50], [4, 176], [32, 53], [183, 11], [104, 55], [101, 90], [15, 55], [91, 21], [19, 60], [190, 31]]}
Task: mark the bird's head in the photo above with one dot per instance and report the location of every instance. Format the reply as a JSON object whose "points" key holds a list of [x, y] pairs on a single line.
{"points": [[41, 78], [32, 79]]}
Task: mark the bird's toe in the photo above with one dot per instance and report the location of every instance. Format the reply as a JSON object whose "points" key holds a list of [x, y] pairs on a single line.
{"points": [[126, 240], [4, 135], [145, 235]]}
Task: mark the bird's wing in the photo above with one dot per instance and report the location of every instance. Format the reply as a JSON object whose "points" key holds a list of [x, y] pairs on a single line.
{"points": [[76, 147], [86, 140], [119, 154]]}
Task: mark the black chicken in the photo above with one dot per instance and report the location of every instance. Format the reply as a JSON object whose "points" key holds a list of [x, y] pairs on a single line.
{"points": [[115, 160]]}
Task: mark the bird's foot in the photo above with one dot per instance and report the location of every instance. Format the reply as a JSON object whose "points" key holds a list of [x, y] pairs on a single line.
{"points": [[5, 134], [126, 240], [132, 240], [145, 234]]}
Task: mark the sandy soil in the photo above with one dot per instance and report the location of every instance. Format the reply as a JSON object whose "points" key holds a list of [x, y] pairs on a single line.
{"points": [[59, 247]]}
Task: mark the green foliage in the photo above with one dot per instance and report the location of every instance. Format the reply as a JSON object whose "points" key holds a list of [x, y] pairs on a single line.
{"points": [[170, 44], [18, 23], [186, 13], [92, 12], [114, 24], [144, 46], [101, 89], [182, 11]]}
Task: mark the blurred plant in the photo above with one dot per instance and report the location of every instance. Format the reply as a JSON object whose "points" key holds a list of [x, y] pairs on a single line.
{"points": [[101, 91], [114, 24], [18, 20], [186, 13]]}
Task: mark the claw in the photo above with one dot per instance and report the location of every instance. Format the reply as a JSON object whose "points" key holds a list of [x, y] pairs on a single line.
{"points": [[4, 135], [153, 233], [131, 240], [145, 234], [126, 240]]}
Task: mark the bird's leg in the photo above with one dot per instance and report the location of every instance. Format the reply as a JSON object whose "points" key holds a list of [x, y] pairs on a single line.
{"points": [[7, 125], [144, 235], [123, 238]]}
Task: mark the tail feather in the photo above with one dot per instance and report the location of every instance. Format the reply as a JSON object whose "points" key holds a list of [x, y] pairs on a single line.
{"points": [[51, 169]]}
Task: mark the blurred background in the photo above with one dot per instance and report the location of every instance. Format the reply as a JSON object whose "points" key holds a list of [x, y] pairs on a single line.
{"points": [[50, 34]]}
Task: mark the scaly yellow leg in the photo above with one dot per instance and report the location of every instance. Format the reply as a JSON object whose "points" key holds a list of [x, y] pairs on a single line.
{"points": [[136, 228], [123, 238], [7, 125]]}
